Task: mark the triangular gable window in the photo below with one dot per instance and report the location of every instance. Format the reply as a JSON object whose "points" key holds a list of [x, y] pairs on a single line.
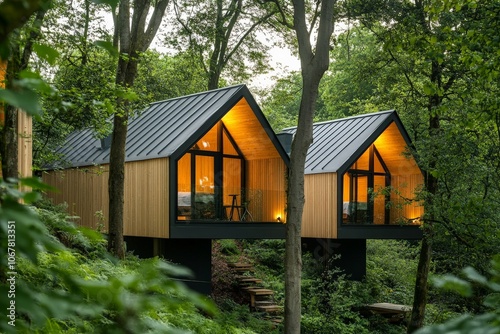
{"points": [[365, 195], [211, 178]]}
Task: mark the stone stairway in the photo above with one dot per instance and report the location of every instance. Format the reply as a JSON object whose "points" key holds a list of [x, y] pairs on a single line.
{"points": [[261, 299]]}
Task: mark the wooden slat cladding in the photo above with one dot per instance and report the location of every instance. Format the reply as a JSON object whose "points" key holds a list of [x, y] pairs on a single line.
{"points": [[147, 198], [266, 187], [85, 190], [405, 187], [320, 209], [391, 146], [25, 143], [248, 132]]}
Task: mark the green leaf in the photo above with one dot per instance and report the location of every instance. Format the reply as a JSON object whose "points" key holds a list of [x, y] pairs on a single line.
{"points": [[31, 197], [452, 283], [108, 46], [473, 275], [25, 99], [46, 53], [35, 183], [492, 300], [429, 89]]}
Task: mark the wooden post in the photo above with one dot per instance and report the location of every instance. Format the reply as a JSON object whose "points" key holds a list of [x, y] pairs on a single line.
{"points": [[25, 143], [24, 131]]}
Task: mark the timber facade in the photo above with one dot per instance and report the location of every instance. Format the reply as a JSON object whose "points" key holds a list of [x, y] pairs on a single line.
{"points": [[361, 180], [206, 165]]}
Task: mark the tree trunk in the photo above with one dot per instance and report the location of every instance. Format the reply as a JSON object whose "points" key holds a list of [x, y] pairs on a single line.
{"points": [[313, 66], [431, 185], [421, 286], [132, 39], [9, 144], [18, 62]]}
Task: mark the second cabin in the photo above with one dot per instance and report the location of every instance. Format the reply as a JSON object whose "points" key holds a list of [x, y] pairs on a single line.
{"points": [[361, 180]]}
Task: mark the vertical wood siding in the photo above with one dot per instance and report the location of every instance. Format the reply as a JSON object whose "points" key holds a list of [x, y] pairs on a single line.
{"points": [[320, 210], [266, 184], [85, 190], [405, 187], [25, 143]]}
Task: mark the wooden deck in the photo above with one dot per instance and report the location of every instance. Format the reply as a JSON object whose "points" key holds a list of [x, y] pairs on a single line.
{"points": [[395, 313]]}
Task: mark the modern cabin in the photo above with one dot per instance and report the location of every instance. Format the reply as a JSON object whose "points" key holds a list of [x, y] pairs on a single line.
{"points": [[199, 167], [204, 166], [360, 183]]}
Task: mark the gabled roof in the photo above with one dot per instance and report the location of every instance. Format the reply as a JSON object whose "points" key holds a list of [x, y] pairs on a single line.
{"points": [[166, 128], [338, 143]]}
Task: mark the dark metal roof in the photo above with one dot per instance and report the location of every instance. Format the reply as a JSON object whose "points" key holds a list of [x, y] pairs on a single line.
{"points": [[164, 128], [336, 144]]}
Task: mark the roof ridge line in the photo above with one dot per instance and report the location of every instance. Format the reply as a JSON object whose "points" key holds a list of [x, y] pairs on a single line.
{"points": [[200, 93], [346, 118]]}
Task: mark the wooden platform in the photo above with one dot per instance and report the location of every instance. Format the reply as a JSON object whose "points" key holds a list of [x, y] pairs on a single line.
{"points": [[395, 313], [388, 308]]}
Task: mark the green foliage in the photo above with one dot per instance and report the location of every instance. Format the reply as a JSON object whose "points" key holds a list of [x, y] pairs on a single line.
{"points": [[390, 270], [281, 104], [161, 77], [222, 36], [486, 322], [80, 289], [269, 253], [330, 306]]}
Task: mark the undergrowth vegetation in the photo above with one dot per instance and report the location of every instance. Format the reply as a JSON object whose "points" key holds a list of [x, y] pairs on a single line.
{"points": [[67, 282], [71, 284], [331, 302]]}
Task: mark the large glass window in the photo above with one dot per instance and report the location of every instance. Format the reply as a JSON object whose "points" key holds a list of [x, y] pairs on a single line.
{"points": [[210, 178], [365, 197]]}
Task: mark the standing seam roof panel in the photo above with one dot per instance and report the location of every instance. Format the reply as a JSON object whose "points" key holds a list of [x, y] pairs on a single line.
{"points": [[157, 132], [353, 138], [335, 142], [201, 117]]}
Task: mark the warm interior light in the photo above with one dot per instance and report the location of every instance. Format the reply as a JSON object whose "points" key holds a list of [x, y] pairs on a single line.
{"points": [[278, 219], [415, 221]]}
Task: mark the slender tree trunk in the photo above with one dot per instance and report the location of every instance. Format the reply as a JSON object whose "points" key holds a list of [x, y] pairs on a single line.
{"points": [[421, 286], [295, 208], [431, 185], [313, 66], [133, 37], [9, 144]]}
